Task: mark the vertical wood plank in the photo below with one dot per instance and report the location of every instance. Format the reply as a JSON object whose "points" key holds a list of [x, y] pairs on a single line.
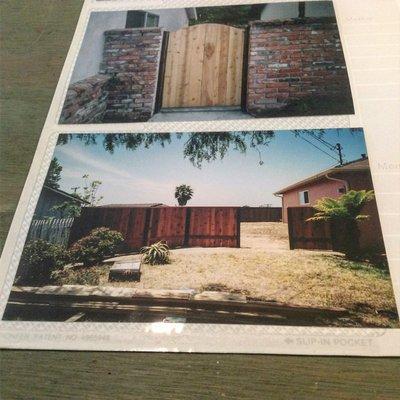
{"points": [[203, 68], [194, 72]]}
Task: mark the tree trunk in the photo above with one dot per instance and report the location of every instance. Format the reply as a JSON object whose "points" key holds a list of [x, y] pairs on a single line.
{"points": [[352, 240], [182, 202]]}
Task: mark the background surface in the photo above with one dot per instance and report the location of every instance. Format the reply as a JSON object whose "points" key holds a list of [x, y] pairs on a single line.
{"points": [[35, 38]]}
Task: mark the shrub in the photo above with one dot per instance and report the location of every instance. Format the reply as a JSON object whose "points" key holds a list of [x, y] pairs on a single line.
{"points": [[156, 254], [80, 275], [38, 262], [99, 244]]}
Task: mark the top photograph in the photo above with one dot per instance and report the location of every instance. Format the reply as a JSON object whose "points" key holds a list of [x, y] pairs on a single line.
{"points": [[209, 63]]}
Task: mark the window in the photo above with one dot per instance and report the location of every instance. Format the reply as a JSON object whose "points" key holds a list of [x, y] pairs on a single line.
{"points": [[304, 199], [141, 19]]}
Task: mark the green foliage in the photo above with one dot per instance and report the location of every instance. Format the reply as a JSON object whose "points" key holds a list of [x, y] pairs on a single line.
{"points": [[68, 209], [346, 207], [228, 15], [54, 174], [99, 244], [87, 193], [156, 254], [39, 261], [183, 193], [198, 147], [79, 276], [346, 211]]}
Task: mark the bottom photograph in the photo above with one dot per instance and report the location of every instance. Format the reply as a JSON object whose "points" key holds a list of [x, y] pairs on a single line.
{"points": [[252, 227]]}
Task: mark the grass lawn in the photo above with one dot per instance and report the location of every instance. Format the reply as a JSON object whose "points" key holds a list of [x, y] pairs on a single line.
{"points": [[265, 268]]}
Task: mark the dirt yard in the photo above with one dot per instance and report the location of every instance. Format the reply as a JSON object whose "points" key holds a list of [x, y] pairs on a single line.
{"points": [[265, 268]]}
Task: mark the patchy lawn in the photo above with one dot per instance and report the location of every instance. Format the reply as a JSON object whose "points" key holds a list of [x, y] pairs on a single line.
{"points": [[265, 268]]}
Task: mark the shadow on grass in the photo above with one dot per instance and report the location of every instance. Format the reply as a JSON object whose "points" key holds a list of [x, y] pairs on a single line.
{"points": [[373, 265]]}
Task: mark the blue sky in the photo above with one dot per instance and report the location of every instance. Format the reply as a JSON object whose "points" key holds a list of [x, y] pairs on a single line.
{"points": [[151, 175]]}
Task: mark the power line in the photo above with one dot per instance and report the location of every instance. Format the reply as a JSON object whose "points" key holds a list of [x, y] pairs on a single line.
{"points": [[322, 141], [323, 151]]}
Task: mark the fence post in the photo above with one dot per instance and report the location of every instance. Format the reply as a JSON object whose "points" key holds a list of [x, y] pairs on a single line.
{"points": [[146, 228], [187, 227], [238, 221], [245, 68], [161, 72], [290, 227]]}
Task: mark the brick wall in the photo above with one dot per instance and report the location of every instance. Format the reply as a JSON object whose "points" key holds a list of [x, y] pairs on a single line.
{"points": [[131, 57], [297, 67], [86, 101]]}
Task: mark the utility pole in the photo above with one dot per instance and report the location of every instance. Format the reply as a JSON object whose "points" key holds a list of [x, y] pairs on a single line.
{"points": [[339, 148]]}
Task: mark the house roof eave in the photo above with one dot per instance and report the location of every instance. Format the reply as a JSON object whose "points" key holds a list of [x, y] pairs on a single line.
{"points": [[339, 169], [68, 195]]}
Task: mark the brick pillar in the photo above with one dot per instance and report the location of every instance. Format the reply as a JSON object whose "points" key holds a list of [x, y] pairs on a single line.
{"points": [[131, 57], [297, 67]]}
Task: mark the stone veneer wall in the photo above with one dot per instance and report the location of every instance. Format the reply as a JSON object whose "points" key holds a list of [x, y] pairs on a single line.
{"points": [[297, 67], [131, 58], [86, 101]]}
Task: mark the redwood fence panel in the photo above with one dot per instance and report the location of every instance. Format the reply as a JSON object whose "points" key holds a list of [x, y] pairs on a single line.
{"points": [[178, 226], [214, 227], [261, 214], [305, 234], [168, 224]]}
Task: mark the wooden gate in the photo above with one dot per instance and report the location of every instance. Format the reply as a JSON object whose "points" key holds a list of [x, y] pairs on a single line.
{"points": [[204, 66]]}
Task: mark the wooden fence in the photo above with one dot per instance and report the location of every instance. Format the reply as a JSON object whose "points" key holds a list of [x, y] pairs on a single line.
{"points": [[305, 234], [204, 65], [178, 226], [55, 230], [261, 214]]}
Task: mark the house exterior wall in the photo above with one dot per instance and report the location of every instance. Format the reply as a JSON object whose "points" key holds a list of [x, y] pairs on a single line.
{"points": [[291, 10], [47, 200], [171, 19], [297, 67], [91, 52], [324, 188]]}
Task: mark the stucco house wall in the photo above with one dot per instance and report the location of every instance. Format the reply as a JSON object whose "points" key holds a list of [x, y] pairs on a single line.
{"points": [[91, 52], [290, 10], [172, 19], [324, 188]]}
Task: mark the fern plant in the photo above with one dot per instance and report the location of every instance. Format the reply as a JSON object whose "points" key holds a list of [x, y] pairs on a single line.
{"points": [[156, 254], [345, 210]]}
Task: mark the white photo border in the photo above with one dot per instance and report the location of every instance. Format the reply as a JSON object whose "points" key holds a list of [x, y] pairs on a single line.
{"points": [[220, 338]]}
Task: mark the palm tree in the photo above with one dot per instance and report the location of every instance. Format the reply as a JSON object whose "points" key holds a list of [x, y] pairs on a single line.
{"points": [[183, 193], [345, 210]]}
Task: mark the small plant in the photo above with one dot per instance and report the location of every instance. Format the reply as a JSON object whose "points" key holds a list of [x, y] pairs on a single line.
{"points": [[79, 275], [38, 262], [183, 193], [156, 254], [99, 244]]}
